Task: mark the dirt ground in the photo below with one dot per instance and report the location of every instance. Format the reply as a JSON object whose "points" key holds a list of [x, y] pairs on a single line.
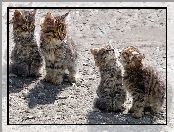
{"points": [[32, 101]]}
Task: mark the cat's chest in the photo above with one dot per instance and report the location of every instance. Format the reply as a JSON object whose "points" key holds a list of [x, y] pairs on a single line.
{"points": [[54, 42], [55, 50]]}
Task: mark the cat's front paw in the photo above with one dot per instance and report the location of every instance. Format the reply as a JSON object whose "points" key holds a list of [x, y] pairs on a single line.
{"points": [[72, 79], [131, 110]]}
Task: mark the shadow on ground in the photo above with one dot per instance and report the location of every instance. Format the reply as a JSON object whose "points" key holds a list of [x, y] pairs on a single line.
{"points": [[17, 84], [101, 117], [43, 93]]}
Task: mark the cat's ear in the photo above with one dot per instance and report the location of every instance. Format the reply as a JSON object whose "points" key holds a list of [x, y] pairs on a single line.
{"points": [[64, 16], [94, 51], [16, 16], [34, 12], [17, 13]]}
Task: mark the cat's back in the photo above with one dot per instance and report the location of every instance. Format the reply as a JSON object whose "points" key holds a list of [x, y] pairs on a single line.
{"points": [[153, 81]]}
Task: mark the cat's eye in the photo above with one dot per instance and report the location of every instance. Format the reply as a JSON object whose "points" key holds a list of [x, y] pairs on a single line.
{"points": [[32, 27], [24, 27]]}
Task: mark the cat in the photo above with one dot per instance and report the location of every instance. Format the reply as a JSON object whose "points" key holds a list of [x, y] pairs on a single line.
{"points": [[110, 92], [26, 57], [58, 49], [142, 82]]}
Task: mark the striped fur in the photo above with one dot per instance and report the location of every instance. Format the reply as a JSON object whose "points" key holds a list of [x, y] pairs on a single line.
{"points": [[58, 49], [26, 57], [143, 83], [110, 92]]}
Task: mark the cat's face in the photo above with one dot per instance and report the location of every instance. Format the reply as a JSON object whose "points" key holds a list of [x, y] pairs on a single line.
{"points": [[131, 57], [103, 55], [23, 23], [55, 26]]}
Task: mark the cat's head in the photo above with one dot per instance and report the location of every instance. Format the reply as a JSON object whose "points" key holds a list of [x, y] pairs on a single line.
{"points": [[131, 57], [103, 55], [23, 23], [54, 25]]}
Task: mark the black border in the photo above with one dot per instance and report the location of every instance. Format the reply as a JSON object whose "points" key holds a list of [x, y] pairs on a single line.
{"points": [[8, 8]]}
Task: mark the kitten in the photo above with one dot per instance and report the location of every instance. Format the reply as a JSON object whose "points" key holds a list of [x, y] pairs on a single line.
{"points": [[58, 49], [26, 58], [143, 83], [110, 92]]}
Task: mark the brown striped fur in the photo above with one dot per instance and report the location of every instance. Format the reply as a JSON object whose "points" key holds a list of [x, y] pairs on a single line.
{"points": [[110, 92], [143, 83], [26, 57], [58, 49]]}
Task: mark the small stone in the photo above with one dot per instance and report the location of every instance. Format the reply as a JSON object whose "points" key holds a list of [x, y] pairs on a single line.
{"points": [[40, 85], [25, 85], [25, 94], [62, 97], [107, 118], [12, 75], [10, 81], [164, 67], [91, 78], [41, 94], [95, 110], [85, 64], [30, 117]]}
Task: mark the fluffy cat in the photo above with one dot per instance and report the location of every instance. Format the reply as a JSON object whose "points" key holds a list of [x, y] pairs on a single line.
{"points": [[110, 92], [26, 58], [143, 83], [58, 49]]}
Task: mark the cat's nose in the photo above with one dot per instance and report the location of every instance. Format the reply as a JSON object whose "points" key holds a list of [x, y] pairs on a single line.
{"points": [[27, 33]]}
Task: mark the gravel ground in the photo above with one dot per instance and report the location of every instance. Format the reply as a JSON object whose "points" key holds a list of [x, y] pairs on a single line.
{"points": [[32, 101]]}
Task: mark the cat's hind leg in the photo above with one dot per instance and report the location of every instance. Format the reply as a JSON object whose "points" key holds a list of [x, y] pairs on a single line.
{"points": [[100, 103], [20, 69], [155, 108], [137, 105]]}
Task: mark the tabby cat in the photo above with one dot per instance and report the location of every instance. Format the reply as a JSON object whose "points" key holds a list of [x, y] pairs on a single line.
{"points": [[26, 58], [58, 49], [143, 83], [110, 92]]}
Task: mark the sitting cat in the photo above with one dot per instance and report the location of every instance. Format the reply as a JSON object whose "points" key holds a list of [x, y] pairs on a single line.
{"points": [[143, 83], [58, 49], [26, 58], [110, 92]]}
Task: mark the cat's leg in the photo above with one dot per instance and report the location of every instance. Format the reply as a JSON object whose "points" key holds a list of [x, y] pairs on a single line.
{"points": [[20, 69], [49, 70], [57, 76], [35, 67], [156, 106], [49, 74], [72, 68], [137, 105], [120, 98]]}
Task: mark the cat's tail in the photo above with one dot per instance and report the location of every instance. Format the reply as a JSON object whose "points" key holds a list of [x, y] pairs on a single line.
{"points": [[18, 69]]}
